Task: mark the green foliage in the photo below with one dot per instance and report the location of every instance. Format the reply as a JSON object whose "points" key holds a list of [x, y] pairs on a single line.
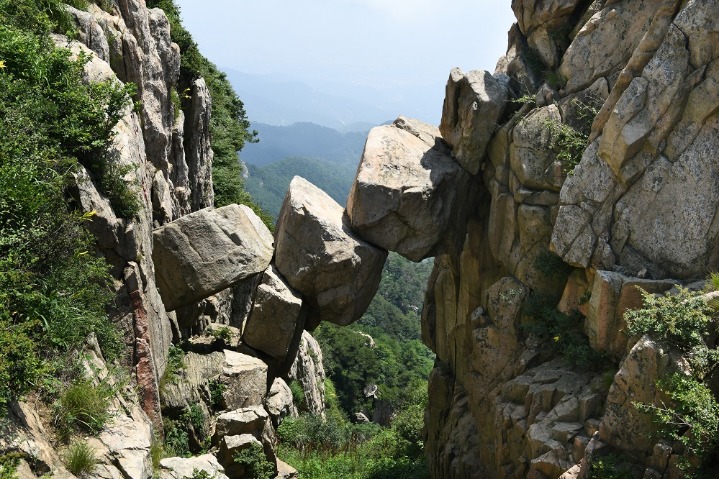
{"points": [[691, 417], [177, 441], [82, 406], [298, 393], [217, 391], [564, 332], [157, 452], [255, 463], [679, 319], [568, 141], [8, 464], [610, 466], [53, 289], [175, 363], [549, 264], [80, 459], [200, 474]]}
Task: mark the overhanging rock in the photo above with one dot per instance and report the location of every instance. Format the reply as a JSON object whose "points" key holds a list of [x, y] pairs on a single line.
{"points": [[204, 252]]}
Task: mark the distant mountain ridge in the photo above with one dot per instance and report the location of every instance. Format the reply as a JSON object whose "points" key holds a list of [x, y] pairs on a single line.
{"points": [[303, 139]]}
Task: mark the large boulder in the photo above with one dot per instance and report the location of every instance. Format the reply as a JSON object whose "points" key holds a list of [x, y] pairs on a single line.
{"points": [[406, 189], [473, 105], [319, 255], [204, 252], [244, 379], [276, 320], [182, 467]]}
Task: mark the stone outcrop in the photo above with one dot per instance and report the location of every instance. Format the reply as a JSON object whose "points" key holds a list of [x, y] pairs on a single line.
{"points": [[318, 254], [276, 321], [308, 370], [204, 252], [638, 210], [407, 190]]}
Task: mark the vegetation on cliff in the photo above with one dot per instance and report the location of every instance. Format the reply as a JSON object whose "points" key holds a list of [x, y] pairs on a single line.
{"points": [[53, 289]]}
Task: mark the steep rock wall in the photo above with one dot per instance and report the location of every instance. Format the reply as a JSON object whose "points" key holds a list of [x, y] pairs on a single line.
{"points": [[639, 209]]}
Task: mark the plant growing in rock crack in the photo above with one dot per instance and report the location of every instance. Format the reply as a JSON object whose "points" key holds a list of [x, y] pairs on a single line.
{"points": [[690, 414], [569, 142], [564, 333], [255, 463], [80, 459], [82, 406]]}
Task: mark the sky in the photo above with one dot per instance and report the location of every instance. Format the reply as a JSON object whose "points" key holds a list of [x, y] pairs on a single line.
{"points": [[390, 46]]}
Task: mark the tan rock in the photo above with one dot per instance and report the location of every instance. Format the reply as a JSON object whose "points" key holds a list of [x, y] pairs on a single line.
{"points": [[308, 370], [319, 256], [406, 190], [182, 467], [473, 105], [276, 320], [203, 253]]}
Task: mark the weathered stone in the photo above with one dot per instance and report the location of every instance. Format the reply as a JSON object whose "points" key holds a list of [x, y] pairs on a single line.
{"points": [[183, 467], [202, 253], [198, 150], [285, 471], [624, 426], [540, 21], [319, 256], [605, 42], [473, 105], [308, 370], [645, 102], [245, 379], [279, 400], [530, 153], [276, 320], [249, 420], [406, 191]]}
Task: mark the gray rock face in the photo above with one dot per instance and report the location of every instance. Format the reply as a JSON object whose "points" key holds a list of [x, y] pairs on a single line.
{"points": [[407, 189], [319, 256], [276, 320], [279, 400], [249, 420], [307, 369], [199, 151], [473, 104], [181, 467], [202, 253]]}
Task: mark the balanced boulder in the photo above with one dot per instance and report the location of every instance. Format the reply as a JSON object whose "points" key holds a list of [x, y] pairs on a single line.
{"points": [[319, 255], [204, 252], [406, 188]]}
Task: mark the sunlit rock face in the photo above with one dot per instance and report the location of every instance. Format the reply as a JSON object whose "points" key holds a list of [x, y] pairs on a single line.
{"points": [[633, 206], [321, 257]]}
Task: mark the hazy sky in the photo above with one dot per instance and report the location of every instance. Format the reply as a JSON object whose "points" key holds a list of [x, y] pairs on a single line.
{"points": [[387, 45]]}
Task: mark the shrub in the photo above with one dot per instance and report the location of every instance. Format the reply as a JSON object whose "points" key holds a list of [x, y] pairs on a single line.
{"points": [[610, 466], [298, 393], [177, 441], [255, 463], [8, 465], [80, 459], [680, 319], [564, 332], [691, 417], [82, 406]]}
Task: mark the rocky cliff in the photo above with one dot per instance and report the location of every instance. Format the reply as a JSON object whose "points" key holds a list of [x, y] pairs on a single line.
{"points": [[583, 167], [605, 155]]}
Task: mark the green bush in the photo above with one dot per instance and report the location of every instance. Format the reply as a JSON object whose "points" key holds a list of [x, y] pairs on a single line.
{"points": [[610, 466], [298, 393], [564, 332], [82, 406], [8, 464], [691, 417], [680, 319], [177, 441], [255, 463], [53, 288], [80, 459]]}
